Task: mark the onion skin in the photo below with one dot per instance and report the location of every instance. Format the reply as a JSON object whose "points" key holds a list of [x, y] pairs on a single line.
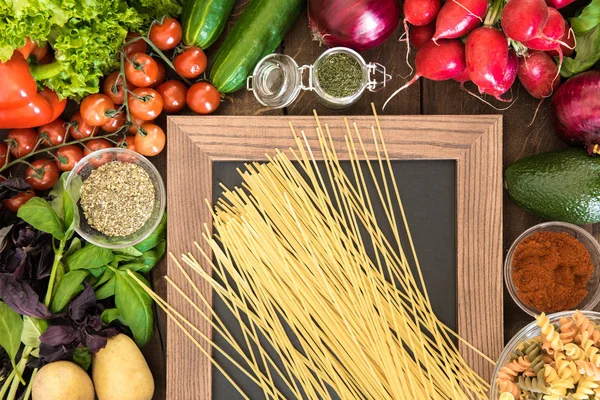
{"points": [[576, 111], [358, 24]]}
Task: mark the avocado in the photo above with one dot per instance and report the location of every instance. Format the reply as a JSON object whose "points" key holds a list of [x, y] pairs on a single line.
{"points": [[562, 185]]}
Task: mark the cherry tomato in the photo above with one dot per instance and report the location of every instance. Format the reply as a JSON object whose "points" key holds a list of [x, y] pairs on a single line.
{"points": [[54, 133], [42, 174], [4, 156], [115, 123], [191, 63], [136, 123], [22, 141], [203, 98], [128, 142], [145, 103], [113, 87], [141, 70], [167, 35], [139, 46], [68, 156], [162, 75], [97, 144], [14, 203], [173, 95], [78, 129], [95, 109], [150, 140]]}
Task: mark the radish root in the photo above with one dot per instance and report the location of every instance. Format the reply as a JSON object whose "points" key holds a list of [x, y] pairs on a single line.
{"points": [[462, 85], [407, 84], [407, 47]]}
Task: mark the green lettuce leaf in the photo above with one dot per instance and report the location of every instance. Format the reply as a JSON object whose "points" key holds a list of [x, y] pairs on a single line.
{"points": [[587, 35]]}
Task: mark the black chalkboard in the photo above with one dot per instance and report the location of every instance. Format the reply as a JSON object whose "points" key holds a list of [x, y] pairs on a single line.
{"points": [[428, 191]]}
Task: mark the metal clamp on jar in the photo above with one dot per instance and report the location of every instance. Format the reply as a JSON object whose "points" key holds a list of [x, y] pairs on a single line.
{"points": [[339, 77]]}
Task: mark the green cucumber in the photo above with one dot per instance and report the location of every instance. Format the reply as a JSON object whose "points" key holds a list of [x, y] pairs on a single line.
{"points": [[257, 33], [204, 20]]}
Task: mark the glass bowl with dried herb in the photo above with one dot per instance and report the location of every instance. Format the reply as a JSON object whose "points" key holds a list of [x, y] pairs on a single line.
{"points": [[120, 197]]}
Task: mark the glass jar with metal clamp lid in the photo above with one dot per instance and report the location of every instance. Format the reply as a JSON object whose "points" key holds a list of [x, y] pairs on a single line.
{"points": [[277, 79]]}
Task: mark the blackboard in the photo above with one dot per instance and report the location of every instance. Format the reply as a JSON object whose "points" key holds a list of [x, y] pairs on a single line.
{"points": [[428, 191]]}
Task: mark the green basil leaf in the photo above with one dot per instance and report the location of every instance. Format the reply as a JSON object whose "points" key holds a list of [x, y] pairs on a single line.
{"points": [[61, 270], [135, 306], [107, 290], [151, 257], [132, 251], [11, 327], [32, 329], [588, 19], [68, 287], [135, 267], [110, 315], [73, 247], [72, 195], [155, 237], [83, 357], [39, 214], [108, 273], [97, 272], [57, 194], [89, 257], [122, 257]]}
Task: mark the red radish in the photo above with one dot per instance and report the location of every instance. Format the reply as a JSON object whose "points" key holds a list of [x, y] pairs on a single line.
{"points": [[538, 74], [576, 111], [553, 30], [567, 43], [420, 12], [559, 3], [463, 76], [358, 24], [524, 20], [419, 35], [459, 17], [508, 79], [438, 62], [486, 54]]}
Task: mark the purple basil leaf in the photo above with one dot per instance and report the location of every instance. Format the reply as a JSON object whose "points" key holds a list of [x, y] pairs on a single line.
{"points": [[46, 259], [50, 354], [11, 187], [24, 235], [57, 335], [4, 234], [95, 342], [18, 264], [109, 332], [81, 304], [22, 298], [94, 322]]}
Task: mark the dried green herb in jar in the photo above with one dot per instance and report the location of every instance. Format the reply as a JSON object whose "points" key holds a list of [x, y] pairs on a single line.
{"points": [[117, 198], [339, 75]]}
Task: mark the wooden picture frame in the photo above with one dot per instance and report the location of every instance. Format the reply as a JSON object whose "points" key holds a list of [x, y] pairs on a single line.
{"points": [[196, 144]]}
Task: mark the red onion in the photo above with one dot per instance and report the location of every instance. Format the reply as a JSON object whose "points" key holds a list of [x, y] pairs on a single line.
{"points": [[576, 111], [358, 24]]}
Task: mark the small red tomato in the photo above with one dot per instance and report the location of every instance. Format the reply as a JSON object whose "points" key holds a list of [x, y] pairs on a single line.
{"points": [[97, 144], [78, 129], [162, 75], [54, 133], [128, 142], [136, 123], [139, 46], [42, 174], [68, 156], [150, 140], [14, 203], [203, 98], [113, 87], [173, 95], [145, 103], [191, 63], [95, 109], [141, 70], [22, 141], [4, 156], [115, 123], [167, 35]]}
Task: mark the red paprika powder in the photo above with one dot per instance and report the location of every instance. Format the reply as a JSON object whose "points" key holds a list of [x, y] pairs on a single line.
{"points": [[551, 271]]}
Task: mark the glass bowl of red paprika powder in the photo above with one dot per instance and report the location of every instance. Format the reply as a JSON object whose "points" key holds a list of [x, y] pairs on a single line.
{"points": [[552, 267]]}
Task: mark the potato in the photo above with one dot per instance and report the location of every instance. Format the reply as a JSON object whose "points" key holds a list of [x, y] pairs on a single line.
{"points": [[62, 380], [120, 371]]}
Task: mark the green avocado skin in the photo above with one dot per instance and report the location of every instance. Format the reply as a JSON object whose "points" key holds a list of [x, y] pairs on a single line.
{"points": [[561, 186]]}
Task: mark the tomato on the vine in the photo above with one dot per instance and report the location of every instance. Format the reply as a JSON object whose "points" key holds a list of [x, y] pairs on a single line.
{"points": [[150, 140], [115, 123], [203, 98], [54, 133], [3, 154], [162, 75], [42, 174], [78, 129], [167, 35], [191, 63], [141, 70], [173, 94], [22, 141], [113, 87], [145, 103], [14, 203], [136, 123], [139, 46], [97, 144], [128, 142], [95, 109], [68, 156]]}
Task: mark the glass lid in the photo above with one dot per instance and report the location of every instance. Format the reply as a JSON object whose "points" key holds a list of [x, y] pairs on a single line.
{"points": [[276, 81]]}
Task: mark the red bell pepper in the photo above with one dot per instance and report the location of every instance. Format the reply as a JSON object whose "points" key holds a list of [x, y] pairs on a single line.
{"points": [[18, 85], [43, 108]]}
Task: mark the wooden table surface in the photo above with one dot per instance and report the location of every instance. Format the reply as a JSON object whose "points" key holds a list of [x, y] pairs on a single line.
{"points": [[425, 97]]}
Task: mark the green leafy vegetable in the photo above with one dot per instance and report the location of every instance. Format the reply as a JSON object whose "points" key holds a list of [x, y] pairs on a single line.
{"points": [[89, 257], [131, 251], [156, 236], [83, 357], [110, 315], [135, 306], [32, 329], [107, 290], [11, 326], [68, 287], [40, 214], [108, 273], [73, 247], [151, 257], [587, 35]]}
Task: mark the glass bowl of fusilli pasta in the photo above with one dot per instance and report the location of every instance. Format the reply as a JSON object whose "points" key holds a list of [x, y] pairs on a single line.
{"points": [[555, 357]]}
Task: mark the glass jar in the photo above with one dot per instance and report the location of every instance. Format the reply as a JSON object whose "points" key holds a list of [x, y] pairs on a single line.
{"points": [[277, 80]]}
